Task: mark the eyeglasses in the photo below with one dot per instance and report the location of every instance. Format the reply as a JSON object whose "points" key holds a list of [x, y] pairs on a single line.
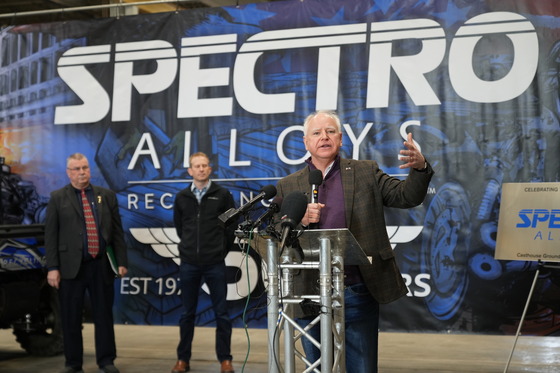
{"points": [[76, 169]]}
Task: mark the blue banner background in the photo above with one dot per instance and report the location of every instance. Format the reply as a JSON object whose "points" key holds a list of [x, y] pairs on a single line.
{"points": [[455, 283]]}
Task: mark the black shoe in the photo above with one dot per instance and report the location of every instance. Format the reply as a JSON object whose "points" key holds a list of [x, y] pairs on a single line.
{"points": [[109, 369], [71, 370]]}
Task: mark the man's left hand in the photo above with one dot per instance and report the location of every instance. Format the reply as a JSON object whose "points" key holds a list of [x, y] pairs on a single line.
{"points": [[412, 156], [122, 271]]}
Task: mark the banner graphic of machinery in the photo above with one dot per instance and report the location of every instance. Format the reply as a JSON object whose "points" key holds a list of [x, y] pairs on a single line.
{"points": [[475, 82]]}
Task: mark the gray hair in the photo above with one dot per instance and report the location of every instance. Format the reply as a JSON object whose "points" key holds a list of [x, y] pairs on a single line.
{"points": [[75, 157], [329, 113]]}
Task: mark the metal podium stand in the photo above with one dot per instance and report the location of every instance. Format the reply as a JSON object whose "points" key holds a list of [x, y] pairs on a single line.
{"points": [[327, 250]]}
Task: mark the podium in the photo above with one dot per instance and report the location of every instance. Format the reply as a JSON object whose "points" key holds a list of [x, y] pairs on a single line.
{"points": [[327, 250]]}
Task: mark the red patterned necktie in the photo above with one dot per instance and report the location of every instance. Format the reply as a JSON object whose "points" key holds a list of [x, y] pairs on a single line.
{"points": [[91, 229]]}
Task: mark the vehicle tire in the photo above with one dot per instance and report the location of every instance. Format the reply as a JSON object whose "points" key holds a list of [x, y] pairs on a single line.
{"points": [[42, 334], [445, 249]]}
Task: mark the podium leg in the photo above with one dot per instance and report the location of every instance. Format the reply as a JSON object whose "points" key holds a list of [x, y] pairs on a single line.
{"points": [[325, 293], [338, 307], [523, 317], [331, 317], [272, 307], [287, 311]]}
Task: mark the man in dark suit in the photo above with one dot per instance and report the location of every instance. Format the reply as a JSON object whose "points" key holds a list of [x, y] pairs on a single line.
{"points": [[83, 226], [353, 195]]}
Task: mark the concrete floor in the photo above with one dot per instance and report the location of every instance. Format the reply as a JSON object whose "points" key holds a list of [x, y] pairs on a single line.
{"points": [[149, 349]]}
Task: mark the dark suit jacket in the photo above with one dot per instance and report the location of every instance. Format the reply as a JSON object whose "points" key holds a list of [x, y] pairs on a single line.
{"points": [[367, 189], [65, 230]]}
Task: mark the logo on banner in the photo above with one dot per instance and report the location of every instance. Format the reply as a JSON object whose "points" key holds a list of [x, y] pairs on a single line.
{"points": [[528, 228], [543, 218], [242, 77], [164, 242]]}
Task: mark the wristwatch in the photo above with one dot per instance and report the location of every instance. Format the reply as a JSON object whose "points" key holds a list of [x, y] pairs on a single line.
{"points": [[423, 169]]}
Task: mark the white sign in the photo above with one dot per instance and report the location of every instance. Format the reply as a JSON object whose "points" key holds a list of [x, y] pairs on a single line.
{"points": [[529, 222]]}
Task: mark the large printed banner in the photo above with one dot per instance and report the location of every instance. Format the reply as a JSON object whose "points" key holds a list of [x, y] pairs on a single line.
{"points": [[476, 82]]}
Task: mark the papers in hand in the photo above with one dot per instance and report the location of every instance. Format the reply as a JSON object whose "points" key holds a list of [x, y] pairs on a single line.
{"points": [[112, 260]]}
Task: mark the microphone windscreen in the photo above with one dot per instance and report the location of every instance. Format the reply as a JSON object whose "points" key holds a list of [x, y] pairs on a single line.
{"points": [[293, 209], [269, 191], [315, 177]]}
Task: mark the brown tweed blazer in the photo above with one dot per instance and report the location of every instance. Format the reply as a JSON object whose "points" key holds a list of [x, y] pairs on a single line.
{"points": [[367, 189]]}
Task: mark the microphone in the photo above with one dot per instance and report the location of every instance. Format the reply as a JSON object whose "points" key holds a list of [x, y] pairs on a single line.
{"points": [[315, 179], [293, 209], [272, 209], [267, 192]]}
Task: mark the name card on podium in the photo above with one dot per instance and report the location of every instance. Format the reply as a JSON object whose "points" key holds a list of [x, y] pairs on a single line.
{"points": [[529, 222]]}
